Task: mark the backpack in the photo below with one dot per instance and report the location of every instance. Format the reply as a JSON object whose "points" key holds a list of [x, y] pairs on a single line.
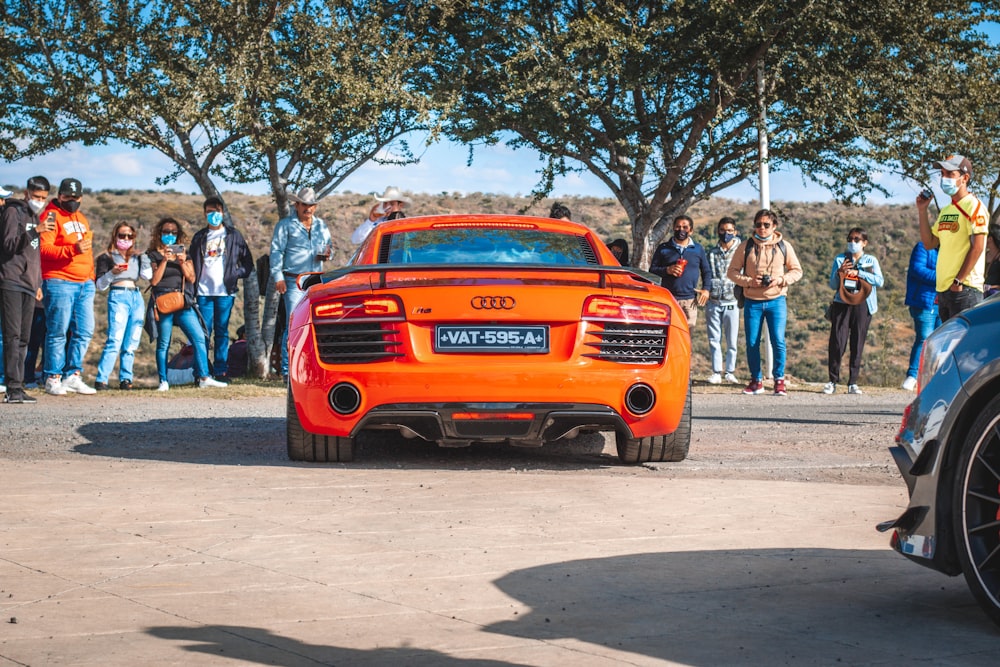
{"points": [[738, 289]]}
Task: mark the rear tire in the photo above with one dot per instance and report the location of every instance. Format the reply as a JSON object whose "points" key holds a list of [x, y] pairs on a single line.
{"points": [[306, 446], [666, 448], [977, 509]]}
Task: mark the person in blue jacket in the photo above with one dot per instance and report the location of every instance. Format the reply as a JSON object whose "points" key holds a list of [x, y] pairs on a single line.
{"points": [[680, 262], [921, 293]]}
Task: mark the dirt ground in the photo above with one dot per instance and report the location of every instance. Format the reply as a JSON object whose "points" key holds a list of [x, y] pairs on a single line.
{"points": [[806, 436]]}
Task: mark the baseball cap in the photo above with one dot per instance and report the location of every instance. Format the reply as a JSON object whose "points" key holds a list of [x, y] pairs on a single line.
{"points": [[4, 192], [71, 187], [958, 163]]}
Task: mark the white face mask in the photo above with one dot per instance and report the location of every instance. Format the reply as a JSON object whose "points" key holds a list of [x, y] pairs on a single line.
{"points": [[36, 205]]}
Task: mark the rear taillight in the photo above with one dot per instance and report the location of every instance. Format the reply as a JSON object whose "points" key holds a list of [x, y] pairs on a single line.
{"points": [[370, 308], [623, 309]]}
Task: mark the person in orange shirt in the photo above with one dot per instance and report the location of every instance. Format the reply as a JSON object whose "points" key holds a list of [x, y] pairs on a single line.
{"points": [[68, 286]]}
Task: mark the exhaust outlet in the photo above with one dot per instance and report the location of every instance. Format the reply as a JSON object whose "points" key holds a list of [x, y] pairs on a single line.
{"points": [[640, 399], [344, 398]]}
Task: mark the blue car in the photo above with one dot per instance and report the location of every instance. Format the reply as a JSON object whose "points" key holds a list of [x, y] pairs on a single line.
{"points": [[948, 451]]}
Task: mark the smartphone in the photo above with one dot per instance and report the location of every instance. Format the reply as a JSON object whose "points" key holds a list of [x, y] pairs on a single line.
{"points": [[123, 267], [176, 249]]}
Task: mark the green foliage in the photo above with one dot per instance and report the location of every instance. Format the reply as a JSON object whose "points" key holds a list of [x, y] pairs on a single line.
{"points": [[661, 102]]}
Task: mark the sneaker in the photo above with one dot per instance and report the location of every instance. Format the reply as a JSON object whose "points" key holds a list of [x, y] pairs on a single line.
{"points": [[779, 387], [163, 386], [715, 378], [18, 396], [732, 379], [100, 386], [31, 385], [54, 386], [207, 382], [910, 383], [854, 389], [3, 387], [125, 385], [829, 387], [754, 387], [75, 384]]}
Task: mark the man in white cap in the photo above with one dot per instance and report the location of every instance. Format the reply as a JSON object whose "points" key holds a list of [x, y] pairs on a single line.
{"points": [[959, 234], [389, 207], [301, 243]]}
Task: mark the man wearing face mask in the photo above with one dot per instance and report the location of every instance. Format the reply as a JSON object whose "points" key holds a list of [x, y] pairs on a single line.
{"points": [[721, 312], [680, 262], [959, 234], [221, 258], [20, 278], [855, 278], [68, 286]]}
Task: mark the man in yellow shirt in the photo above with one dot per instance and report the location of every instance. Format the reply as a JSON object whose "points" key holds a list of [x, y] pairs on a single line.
{"points": [[959, 234]]}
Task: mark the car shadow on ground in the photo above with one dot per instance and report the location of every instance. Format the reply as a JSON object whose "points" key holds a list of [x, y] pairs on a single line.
{"points": [[261, 441], [763, 606]]}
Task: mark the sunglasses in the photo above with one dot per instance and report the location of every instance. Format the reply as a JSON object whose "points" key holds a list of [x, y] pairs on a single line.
{"points": [[765, 225], [126, 236], [855, 239]]}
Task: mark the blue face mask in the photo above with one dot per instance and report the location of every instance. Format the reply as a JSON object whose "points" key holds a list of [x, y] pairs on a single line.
{"points": [[168, 239], [726, 237], [949, 185], [214, 218], [854, 247], [761, 238]]}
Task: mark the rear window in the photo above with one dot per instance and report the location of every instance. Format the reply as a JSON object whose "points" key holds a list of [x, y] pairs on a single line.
{"points": [[486, 245]]}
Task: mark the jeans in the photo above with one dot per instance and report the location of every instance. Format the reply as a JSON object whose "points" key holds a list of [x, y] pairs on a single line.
{"points": [[722, 319], [292, 297], [776, 313], [190, 324], [126, 313], [951, 303], [925, 321], [215, 310], [67, 304]]}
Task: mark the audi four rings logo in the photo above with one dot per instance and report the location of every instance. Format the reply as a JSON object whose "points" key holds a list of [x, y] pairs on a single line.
{"points": [[493, 302]]}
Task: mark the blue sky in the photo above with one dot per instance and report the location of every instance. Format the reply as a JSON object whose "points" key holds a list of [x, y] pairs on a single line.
{"points": [[442, 168]]}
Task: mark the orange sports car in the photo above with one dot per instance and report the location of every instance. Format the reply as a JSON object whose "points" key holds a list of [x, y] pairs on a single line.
{"points": [[460, 329]]}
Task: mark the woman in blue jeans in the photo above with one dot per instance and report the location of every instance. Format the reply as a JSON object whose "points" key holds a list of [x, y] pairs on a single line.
{"points": [[119, 269], [921, 295], [173, 271]]}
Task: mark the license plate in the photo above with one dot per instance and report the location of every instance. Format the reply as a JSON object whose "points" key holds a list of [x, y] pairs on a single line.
{"points": [[526, 340]]}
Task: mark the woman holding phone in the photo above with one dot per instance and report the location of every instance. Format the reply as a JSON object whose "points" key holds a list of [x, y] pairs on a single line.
{"points": [[119, 269], [173, 271]]}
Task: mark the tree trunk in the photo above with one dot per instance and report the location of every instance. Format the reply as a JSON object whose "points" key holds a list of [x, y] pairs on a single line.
{"points": [[257, 361], [270, 317]]}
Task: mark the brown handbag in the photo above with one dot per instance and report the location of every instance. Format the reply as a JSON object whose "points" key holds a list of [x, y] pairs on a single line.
{"points": [[171, 302]]}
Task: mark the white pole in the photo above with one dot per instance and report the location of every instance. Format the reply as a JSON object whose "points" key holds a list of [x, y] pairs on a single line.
{"points": [[765, 202]]}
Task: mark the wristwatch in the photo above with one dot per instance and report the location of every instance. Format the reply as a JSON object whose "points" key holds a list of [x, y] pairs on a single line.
{"points": [[956, 281]]}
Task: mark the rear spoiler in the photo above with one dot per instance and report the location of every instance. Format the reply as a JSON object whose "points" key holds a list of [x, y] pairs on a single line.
{"points": [[310, 279]]}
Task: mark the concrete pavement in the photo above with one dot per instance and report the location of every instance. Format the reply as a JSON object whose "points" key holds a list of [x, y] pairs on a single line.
{"points": [[125, 561]]}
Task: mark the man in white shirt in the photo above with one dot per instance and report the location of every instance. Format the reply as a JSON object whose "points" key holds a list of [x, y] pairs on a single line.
{"points": [[221, 259], [389, 207]]}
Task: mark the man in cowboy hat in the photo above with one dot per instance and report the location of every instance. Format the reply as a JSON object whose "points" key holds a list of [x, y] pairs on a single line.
{"points": [[301, 243], [389, 207]]}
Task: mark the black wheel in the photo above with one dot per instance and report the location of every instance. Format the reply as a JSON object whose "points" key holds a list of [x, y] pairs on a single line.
{"points": [[977, 505], [672, 447], [306, 446]]}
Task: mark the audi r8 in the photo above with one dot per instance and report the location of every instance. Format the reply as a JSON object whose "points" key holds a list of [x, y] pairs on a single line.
{"points": [[477, 328], [948, 451]]}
